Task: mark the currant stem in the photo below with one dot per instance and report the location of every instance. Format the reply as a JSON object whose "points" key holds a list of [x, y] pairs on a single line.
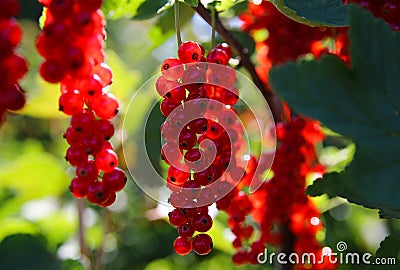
{"points": [[213, 14], [81, 231], [271, 98], [177, 23]]}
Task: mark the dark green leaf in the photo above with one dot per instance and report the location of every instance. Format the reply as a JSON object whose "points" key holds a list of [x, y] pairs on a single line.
{"points": [[192, 3], [389, 250], [314, 12], [165, 26], [137, 10], [362, 103], [148, 9], [22, 251], [71, 265], [245, 40]]}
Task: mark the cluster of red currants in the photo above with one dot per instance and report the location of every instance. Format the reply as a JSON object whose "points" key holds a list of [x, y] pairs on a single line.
{"points": [[72, 43], [389, 10], [203, 138], [12, 66], [286, 39]]}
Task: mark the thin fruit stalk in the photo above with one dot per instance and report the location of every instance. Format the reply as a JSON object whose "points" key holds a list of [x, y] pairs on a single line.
{"points": [[72, 43]]}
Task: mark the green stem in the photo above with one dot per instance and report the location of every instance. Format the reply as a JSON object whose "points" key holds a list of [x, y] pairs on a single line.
{"points": [[212, 45], [177, 23]]}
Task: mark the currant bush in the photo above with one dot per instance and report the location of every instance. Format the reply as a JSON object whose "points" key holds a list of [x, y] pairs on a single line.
{"points": [[72, 43], [12, 66]]}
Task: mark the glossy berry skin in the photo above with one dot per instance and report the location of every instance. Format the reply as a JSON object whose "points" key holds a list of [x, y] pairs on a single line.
{"points": [[71, 103], [202, 244], [218, 56], [106, 160], [105, 106], [190, 52], [114, 180], [87, 171], [97, 193], [225, 47], [186, 230], [78, 187], [172, 69], [176, 217], [183, 245], [202, 222]]}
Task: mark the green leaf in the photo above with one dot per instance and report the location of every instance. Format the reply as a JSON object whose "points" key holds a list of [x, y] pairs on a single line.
{"points": [[361, 103], [137, 10], [192, 3], [165, 26], [21, 251], [314, 12], [71, 265], [149, 9], [389, 250]]}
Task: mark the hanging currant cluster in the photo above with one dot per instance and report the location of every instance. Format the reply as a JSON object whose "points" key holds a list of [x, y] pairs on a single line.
{"points": [[72, 43], [12, 66]]}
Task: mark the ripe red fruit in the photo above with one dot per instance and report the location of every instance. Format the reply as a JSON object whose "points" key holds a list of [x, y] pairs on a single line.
{"points": [[190, 52], [218, 56], [105, 106], [87, 171], [171, 153], [78, 187], [225, 47], [12, 98], [187, 139], [177, 176], [105, 128], [202, 244], [52, 71], [183, 245], [167, 106], [111, 199], [97, 193], [176, 217], [115, 180], [106, 160], [202, 222], [186, 230], [172, 69], [76, 155], [71, 102], [83, 121]]}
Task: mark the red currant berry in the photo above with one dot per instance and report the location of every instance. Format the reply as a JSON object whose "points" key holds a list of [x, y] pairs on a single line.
{"points": [[106, 160], [115, 180], [202, 222], [176, 217], [97, 193], [172, 69], [190, 52], [202, 244], [186, 230], [78, 187], [87, 171], [225, 47], [105, 106], [218, 56], [183, 245]]}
